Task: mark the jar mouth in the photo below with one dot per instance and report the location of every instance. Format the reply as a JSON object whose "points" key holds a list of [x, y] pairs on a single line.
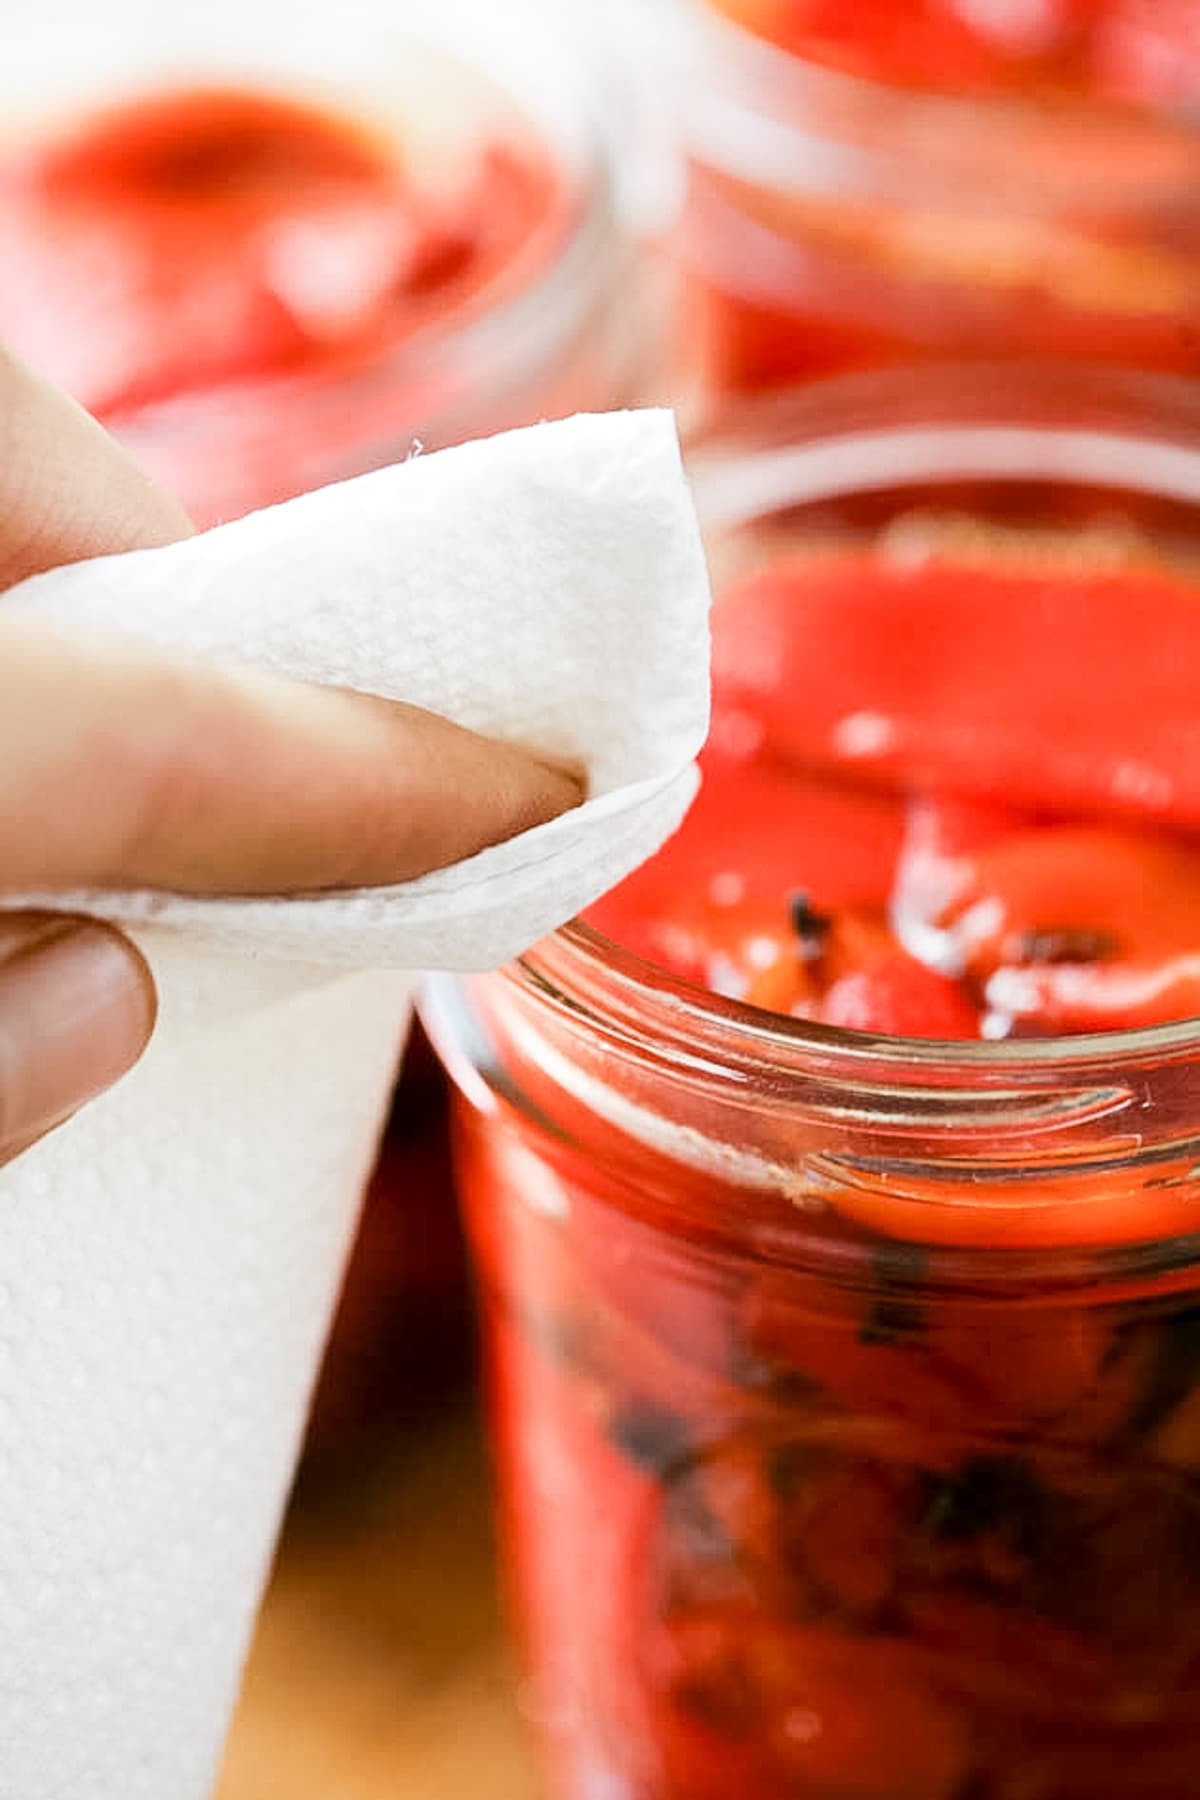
{"points": [[535, 296], [776, 120], [1043, 420], [580, 968], [865, 432], [382, 63]]}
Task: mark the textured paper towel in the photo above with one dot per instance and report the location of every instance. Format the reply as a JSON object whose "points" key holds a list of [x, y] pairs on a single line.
{"points": [[168, 1260]]}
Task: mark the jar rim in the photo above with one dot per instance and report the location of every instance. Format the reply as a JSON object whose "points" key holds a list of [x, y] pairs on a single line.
{"points": [[578, 959], [786, 123], [999, 410]]}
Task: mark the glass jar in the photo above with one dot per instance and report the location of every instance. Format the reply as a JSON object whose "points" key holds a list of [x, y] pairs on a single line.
{"points": [[846, 1389], [567, 319], [837, 223]]}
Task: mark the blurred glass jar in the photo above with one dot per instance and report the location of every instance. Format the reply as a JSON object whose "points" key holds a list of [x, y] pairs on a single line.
{"points": [[447, 243], [838, 219], [845, 1388]]}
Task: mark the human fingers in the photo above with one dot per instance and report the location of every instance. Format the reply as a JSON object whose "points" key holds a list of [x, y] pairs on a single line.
{"points": [[77, 1003], [77, 1009], [125, 768]]}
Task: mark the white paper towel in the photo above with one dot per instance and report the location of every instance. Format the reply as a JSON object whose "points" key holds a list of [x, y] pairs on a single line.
{"points": [[169, 1259]]}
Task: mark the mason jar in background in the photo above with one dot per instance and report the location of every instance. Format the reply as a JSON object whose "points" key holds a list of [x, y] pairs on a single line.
{"points": [[519, 279], [846, 1389], [212, 278], [837, 222]]}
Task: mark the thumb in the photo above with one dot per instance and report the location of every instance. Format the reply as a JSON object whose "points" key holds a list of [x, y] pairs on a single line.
{"points": [[77, 1008], [77, 1003]]}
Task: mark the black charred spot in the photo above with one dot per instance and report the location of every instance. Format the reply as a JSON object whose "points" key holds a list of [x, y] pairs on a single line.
{"points": [[976, 1786], [895, 1313], [1067, 944], [811, 927], [1173, 1254], [989, 1496], [892, 1321], [650, 1436], [1174, 1370], [790, 1465]]}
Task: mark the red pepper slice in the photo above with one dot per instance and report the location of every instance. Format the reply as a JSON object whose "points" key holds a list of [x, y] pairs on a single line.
{"points": [[177, 242], [757, 834], [1071, 690], [757, 1707], [896, 996], [804, 1328], [1126, 50], [1060, 999], [1079, 928], [943, 840], [1147, 54], [1074, 894], [188, 239], [904, 41]]}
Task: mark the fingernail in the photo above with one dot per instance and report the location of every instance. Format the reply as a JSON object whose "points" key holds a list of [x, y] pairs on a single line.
{"points": [[77, 1007], [546, 790]]}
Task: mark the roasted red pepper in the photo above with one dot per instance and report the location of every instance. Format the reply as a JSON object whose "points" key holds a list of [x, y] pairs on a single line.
{"points": [[187, 240], [949, 794], [1112, 49]]}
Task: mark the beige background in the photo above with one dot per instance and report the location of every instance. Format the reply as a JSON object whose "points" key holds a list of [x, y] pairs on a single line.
{"points": [[379, 1671]]}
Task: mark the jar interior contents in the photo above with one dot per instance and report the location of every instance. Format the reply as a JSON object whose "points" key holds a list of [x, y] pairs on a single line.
{"points": [[260, 291], [881, 183], [181, 241], [950, 792], [1119, 50], [843, 1472]]}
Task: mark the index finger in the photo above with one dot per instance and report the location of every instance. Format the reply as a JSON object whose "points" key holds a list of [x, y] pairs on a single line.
{"points": [[124, 768]]}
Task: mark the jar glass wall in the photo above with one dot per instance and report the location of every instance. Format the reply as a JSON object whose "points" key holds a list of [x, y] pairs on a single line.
{"points": [[836, 222], [846, 1399]]}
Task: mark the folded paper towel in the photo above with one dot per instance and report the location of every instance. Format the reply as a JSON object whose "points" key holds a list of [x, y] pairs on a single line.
{"points": [[546, 586], [169, 1259]]}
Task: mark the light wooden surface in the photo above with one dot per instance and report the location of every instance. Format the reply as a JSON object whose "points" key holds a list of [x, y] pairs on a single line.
{"points": [[379, 1671]]}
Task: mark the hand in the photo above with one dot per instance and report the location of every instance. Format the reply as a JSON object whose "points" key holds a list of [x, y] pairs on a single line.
{"points": [[123, 768]]}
